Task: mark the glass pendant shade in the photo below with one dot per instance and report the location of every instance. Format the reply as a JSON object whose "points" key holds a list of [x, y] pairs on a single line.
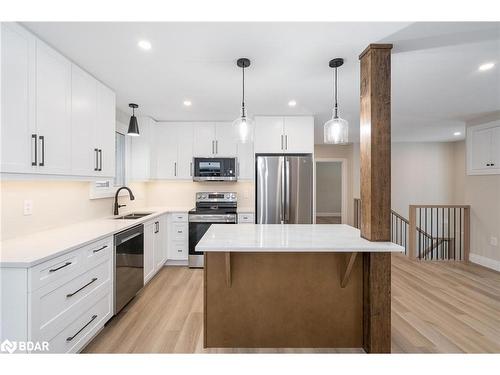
{"points": [[244, 128], [133, 127], [336, 131]]}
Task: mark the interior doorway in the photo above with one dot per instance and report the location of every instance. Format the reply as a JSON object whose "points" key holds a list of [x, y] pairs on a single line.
{"points": [[330, 191]]}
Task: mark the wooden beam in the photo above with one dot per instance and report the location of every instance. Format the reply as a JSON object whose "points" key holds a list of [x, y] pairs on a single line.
{"points": [[375, 148], [228, 269], [347, 273]]}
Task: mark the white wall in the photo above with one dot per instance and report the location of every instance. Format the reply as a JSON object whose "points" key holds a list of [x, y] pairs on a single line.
{"points": [[328, 188]]}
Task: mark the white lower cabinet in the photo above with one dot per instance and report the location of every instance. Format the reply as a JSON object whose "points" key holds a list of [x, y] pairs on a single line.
{"points": [[63, 302], [155, 246], [178, 236], [246, 218]]}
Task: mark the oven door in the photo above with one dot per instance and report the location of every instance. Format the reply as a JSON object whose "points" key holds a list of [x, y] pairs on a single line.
{"points": [[199, 224]]}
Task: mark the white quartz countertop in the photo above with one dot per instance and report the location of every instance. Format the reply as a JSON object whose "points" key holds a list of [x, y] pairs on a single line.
{"points": [[289, 238], [30, 250]]}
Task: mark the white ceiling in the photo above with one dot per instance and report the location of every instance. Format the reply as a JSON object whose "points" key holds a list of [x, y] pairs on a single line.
{"points": [[436, 86]]}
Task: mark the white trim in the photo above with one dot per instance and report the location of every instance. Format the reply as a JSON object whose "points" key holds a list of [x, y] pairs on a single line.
{"points": [[336, 214], [485, 262], [344, 165]]}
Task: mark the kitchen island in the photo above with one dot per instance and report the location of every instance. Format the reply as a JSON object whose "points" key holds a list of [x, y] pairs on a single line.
{"points": [[295, 286]]}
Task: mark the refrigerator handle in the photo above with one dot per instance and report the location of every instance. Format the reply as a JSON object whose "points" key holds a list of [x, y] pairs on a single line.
{"points": [[287, 190], [282, 200]]}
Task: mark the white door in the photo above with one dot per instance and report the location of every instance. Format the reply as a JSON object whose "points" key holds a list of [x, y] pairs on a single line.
{"points": [[299, 134], [481, 148], [246, 163], [268, 136], [184, 151], [84, 156], [18, 100], [165, 151], [53, 110], [225, 138], [149, 250], [204, 139], [105, 130]]}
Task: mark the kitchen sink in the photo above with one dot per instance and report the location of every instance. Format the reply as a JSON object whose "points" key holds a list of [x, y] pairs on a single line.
{"points": [[133, 215]]}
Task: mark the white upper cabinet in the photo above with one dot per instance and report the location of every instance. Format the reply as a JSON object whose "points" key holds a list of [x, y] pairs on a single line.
{"points": [[184, 168], [164, 160], [483, 149], [18, 100], [225, 140], [299, 134], [84, 155], [204, 139], [293, 134], [56, 118], [269, 137], [105, 130], [246, 161], [53, 110], [142, 148]]}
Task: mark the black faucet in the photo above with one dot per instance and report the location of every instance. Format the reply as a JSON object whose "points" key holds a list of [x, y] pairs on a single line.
{"points": [[117, 206]]}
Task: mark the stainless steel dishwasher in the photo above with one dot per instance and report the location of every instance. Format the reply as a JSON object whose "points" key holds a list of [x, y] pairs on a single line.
{"points": [[128, 266]]}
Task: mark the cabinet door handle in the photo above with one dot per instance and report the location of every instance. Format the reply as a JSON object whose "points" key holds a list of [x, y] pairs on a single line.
{"points": [[286, 142], [282, 141], [100, 159], [96, 157], [81, 329], [99, 249], [58, 268], [191, 168], [217, 146], [213, 147], [175, 169], [83, 287], [42, 144], [33, 137]]}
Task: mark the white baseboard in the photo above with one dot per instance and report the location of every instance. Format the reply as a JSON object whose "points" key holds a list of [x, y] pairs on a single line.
{"points": [[485, 262], [172, 262], [336, 214]]}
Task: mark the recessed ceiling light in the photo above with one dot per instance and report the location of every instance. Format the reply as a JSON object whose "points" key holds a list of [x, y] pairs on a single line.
{"points": [[486, 66], [292, 103], [144, 44], [456, 134], [187, 103]]}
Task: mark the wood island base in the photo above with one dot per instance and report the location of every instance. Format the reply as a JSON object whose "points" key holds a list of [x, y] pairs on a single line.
{"points": [[297, 300]]}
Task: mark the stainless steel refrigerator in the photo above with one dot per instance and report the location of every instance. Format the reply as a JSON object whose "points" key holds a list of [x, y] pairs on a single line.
{"points": [[284, 189]]}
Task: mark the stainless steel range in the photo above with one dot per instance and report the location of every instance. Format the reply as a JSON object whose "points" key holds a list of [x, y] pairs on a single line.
{"points": [[211, 208]]}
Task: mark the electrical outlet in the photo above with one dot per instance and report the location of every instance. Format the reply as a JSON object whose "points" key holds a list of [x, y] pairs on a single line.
{"points": [[493, 241], [28, 207]]}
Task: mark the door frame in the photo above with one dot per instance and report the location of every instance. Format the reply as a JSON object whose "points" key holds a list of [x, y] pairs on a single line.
{"points": [[343, 166]]}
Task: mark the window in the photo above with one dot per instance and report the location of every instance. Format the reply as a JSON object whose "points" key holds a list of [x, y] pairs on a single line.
{"points": [[119, 159]]}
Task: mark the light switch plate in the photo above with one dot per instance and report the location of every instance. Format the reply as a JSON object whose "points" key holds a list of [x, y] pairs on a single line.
{"points": [[493, 241], [28, 207]]}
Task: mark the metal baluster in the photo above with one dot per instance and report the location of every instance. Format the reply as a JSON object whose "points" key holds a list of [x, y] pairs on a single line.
{"points": [[460, 234], [454, 232]]}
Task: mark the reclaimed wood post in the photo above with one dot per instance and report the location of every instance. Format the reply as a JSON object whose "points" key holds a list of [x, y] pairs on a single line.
{"points": [[375, 147]]}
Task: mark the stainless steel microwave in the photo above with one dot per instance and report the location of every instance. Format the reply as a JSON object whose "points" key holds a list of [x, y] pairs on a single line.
{"points": [[214, 169]]}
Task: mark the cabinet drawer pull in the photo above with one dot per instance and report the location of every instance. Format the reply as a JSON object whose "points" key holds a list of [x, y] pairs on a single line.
{"points": [[81, 329], [179, 231], [58, 268], [179, 251], [33, 137], [83, 287], [99, 249]]}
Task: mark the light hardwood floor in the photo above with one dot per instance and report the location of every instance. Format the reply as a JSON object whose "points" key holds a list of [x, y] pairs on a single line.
{"points": [[436, 308]]}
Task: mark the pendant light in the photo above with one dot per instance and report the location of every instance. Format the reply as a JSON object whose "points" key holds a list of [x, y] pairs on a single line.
{"points": [[243, 125], [336, 129], [133, 126]]}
